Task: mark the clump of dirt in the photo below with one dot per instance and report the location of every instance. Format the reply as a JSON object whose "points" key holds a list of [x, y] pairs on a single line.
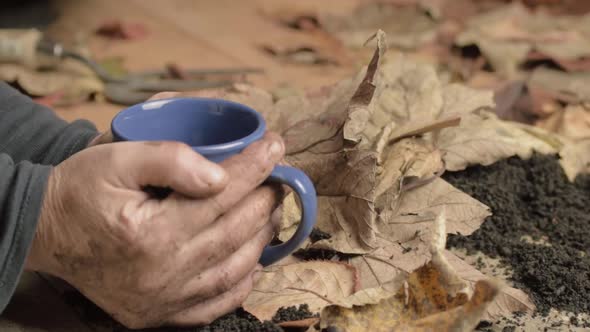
{"points": [[238, 321], [317, 235], [540, 227], [292, 313], [317, 254]]}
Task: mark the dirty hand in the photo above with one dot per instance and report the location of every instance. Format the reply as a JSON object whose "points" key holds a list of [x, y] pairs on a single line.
{"points": [[185, 259]]}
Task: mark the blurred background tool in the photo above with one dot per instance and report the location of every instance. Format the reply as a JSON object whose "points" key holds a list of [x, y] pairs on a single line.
{"points": [[30, 48]]}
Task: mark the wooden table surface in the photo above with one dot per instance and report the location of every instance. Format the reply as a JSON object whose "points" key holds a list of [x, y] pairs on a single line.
{"points": [[194, 34], [191, 33]]}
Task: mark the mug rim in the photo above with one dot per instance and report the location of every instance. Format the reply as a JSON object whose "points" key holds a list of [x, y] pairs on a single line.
{"points": [[237, 144]]}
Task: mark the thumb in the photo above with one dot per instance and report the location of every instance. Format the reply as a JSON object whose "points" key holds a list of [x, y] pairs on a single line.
{"points": [[169, 164]]}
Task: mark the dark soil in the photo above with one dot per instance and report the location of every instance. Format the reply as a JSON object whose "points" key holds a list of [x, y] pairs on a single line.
{"points": [[292, 313], [317, 254], [314, 254], [317, 235], [534, 198]]}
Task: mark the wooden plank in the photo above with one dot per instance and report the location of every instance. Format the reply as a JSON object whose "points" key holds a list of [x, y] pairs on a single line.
{"points": [[239, 28], [164, 43], [195, 34]]}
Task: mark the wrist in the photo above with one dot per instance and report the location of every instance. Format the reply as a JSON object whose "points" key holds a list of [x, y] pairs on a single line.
{"points": [[41, 254]]}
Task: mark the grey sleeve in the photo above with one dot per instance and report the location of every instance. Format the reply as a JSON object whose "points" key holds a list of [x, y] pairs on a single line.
{"points": [[32, 139], [29, 131], [22, 187]]}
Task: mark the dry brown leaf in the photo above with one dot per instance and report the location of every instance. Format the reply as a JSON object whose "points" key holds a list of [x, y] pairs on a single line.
{"points": [[575, 123], [325, 123], [432, 297], [412, 91], [483, 139], [346, 209], [327, 131], [409, 160], [390, 261], [507, 99], [407, 27], [354, 175], [412, 99], [482, 79], [375, 294], [345, 202], [400, 227], [344, 178], [317, 284], [349, 220], [507, 35], [406, 230], [282, 114], [571, 122], [409, 100], [575, 158], [359, 110], [398, 259], [567, 87], [569, 65], [71, 80], [416, 208], [515, 101]]}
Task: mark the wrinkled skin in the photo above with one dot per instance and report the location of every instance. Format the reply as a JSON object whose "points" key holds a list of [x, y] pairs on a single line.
{"points": [[183, 260]]}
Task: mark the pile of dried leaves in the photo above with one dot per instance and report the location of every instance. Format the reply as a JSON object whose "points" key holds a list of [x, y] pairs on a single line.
{"points": [[534, 54], [375, 146]]}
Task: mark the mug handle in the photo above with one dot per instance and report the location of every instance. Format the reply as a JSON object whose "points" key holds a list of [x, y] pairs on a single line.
{"points": [[303, 187]]}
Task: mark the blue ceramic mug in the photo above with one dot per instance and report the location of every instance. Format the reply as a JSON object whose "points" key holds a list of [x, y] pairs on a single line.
{"points": [[217, 129]]}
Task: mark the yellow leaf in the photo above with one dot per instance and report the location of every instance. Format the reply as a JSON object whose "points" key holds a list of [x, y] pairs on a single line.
{"points": [[433, 297]]}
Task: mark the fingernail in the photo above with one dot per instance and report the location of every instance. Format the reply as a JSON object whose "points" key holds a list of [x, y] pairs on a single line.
{"points": [[276, 149]]}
